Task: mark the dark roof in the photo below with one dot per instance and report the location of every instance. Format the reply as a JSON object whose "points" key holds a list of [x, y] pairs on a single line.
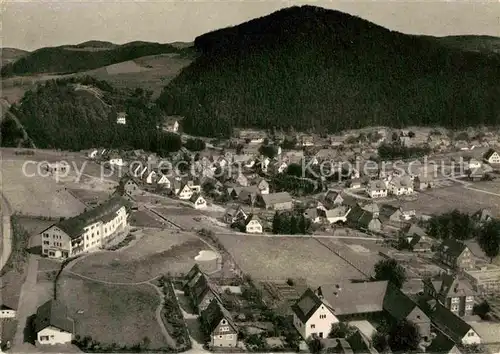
{"points": [[349, 200], [414, 230], [475, 249], [440, 344], [446, 321], [452, 247], [74, 227], [194, 197], [306, 305], [452, 286], [386, 211], [201, 287], [192, 272], [488, 154], [5, 307], [214, 314], [397, 303], [359, 216], [53, 313]]}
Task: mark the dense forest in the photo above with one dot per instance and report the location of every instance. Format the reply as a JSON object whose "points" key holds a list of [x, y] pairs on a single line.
{"points": [[69, 59], [322, 70], [56, 115]]}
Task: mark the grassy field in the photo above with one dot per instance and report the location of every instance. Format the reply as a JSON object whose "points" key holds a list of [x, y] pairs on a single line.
{"points": [[441, 200], [145, 218], [279, 258], [36, 195], [158, 252], [90, 197], [112, 313]]}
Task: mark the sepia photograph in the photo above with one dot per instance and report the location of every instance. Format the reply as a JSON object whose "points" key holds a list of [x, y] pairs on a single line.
{"points": [[238, 176]]}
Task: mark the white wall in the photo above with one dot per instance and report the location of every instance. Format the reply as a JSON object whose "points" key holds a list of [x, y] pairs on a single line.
{"points": [[7, 313], [471, 338], [322, 321], [54, 239]]}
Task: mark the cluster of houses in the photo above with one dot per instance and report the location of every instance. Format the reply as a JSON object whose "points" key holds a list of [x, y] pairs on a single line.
{"points": [[437, 314]]}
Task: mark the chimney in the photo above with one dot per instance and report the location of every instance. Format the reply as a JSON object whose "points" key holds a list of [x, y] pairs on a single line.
{"points": [[319, 293]]}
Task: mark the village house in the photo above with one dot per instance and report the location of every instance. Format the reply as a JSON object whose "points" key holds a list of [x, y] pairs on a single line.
{"points": [[376, 189], [193, 183], [400, 186], [185, 192], [371, 208], [52, 324], [234, 214], [85, 232], [423, 182], [121, 118], [115, 160], [417, 238], [312, 315], [363, 220], [307, 140], [354, 183], [492, 157], [253, 225], [218, 323], [92, 153], [482, 216], [333, 197], [241, 180], [476, 174], [313, 215], [356, 301], [452, 292], [248, 195], [200, 289], [456, 255], [172, 125], [451, 325], [472, 164], [442, 344], [151, 177], [336, 215], [277, 201], [198, 201], [7, 311]]}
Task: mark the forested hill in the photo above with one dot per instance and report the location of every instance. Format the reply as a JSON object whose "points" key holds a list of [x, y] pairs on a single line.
{"points": [[82, 57], [81, 113], [316, 69]]}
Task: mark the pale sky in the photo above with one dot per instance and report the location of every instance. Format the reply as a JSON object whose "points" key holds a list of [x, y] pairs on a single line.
{"points": [[31, 24]]}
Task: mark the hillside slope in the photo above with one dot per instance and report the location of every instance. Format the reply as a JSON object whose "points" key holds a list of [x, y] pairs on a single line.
{"points": [[8, 55], [484, 44], [81, 112], [82, 57], [316, 69]]}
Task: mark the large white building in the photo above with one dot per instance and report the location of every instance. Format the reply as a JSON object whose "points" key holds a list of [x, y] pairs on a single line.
{"points": [[376, 189], [313, 315], [85, 232]]}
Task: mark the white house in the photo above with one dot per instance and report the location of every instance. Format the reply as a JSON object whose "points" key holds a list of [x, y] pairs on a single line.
{"points": [[121, 118], [92, 154], [52, 324], [263, 186], [473, 164], [185, 192], [376, 189], [164, 181], [7, 312], [282, 167], [401, 186], [312, 315], [253, 225], [116, 160], [85, 232], [198, 201], [338, 214], [492, 157], [151, 177]]}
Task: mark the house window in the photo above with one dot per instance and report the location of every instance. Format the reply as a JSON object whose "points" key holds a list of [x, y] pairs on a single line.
{"points": [[44, 338], [470, 334], [455, 300], [469, 298], [313, 326], [322, 316], [468, 307], [454, 308]]}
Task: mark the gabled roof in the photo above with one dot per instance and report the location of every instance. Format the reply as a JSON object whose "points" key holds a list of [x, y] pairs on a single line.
{"points": [[475, 249], [201, 287], [414, 230], [53, 313], [354, 298], [452, 286], [450, 324], [441, 344], [397, 303], [195, 197], [376, 185], [251, 217], [74, 227], [337, 212], [276, 198], [452, 247], [488, 154], [307, 305], [214, 314], [360, 217]]}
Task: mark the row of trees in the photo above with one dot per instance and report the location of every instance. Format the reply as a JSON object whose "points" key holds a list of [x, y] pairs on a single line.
{"points": [[462, 226], [396, 150], [286, 223]]}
